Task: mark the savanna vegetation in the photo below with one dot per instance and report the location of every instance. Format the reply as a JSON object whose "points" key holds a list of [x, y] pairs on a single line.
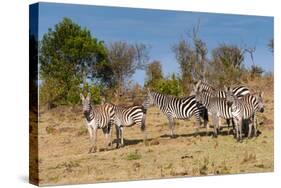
{"points": [[73, 61]]}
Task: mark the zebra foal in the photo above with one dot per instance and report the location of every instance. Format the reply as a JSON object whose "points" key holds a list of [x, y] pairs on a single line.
{"points": [[244, 108], [175, 108], [126, 117], [97, 117]]}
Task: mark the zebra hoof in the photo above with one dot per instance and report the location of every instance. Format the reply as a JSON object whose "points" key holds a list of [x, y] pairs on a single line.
{"points": [[215, 135], [238, 140], [173, 136]]}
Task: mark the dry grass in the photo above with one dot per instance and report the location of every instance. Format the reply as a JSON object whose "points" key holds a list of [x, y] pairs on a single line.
{"points": [[64, 144]]}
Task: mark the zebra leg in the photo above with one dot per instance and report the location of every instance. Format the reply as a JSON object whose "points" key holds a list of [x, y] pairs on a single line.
{"points": [[208, 129], [255, 123], [219, 124], [121, 136], [107, 137], [240, 124], [206, 124], [110, 135], [236, 122], [215, 122], [233, 127], [250, 125], [171, 126], [228, 126], [90, 130], [117, 135], [94, 141], [198, 121], [143, 129]]}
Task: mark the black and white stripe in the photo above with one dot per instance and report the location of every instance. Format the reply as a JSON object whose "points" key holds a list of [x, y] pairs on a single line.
{"points": [[97, 117], [175, 107], [217, 108], [128, 116], [238, 91], [244, 108]]}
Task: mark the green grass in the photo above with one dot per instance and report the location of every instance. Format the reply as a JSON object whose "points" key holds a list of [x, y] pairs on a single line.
{"points": [[133, 156]]}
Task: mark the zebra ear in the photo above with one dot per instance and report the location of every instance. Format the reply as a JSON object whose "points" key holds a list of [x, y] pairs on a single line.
{"points": [[82, 96], [261, 93]]}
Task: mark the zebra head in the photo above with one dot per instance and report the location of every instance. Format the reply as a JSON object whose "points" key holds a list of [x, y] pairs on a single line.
{"points": [[230, 97], [148, 100], [259, 105], [86, 102]]}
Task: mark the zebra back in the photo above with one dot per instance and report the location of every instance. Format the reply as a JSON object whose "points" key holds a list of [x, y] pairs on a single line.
{"points": [[238, 91], [180, 108]]}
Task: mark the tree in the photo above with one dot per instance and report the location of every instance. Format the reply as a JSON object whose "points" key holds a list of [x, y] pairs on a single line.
{"points": [[186, 58], [70, 56], [153, 73], [191, 55], [125, 59], [228, 55], [226, 65], [201, 52]]}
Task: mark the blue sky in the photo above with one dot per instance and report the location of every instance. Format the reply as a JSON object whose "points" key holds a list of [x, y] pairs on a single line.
{"points": [[161, 29]]}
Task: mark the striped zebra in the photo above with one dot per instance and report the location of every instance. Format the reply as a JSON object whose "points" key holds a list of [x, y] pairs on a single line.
{"points": [[217, 108], [244, 108], [238, 91], [97, 117], [175, 108], [126, 117]]}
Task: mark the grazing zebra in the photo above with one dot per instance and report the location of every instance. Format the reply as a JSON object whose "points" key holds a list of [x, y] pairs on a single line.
{"points": [[238, 91], [216, 107], [244, 108], [98, 116], [175, 108], [128, 116]]}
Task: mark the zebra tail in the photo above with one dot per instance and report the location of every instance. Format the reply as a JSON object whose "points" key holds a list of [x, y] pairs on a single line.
{"points": [[143, 120]]}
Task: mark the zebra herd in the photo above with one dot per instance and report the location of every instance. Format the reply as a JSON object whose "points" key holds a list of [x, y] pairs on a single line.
{"points": [[237, 105]]}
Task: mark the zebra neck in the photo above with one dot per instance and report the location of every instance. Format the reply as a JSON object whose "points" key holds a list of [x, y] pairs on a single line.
{"points": [[89, 115], [235, 106], [160, 100]]}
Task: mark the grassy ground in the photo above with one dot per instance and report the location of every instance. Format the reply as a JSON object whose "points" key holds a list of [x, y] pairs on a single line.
{"points": [[64, 144]]}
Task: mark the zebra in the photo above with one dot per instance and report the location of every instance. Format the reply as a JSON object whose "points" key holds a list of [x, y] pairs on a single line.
{"points": [[216, 107], [128, 116], [244, 108], [175, 108], [238, 91], [98, 116]]}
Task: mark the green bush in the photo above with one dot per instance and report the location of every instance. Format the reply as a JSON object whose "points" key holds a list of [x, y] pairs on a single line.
{"points": [[170, 86], [95, 92]]}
